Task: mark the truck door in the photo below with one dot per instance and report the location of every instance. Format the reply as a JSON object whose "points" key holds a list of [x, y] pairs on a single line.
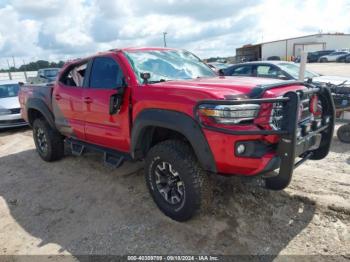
{"points": [[106, 103], [67, 101]]}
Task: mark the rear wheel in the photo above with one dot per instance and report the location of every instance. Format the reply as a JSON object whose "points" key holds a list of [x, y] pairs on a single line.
{"points": [[343, 134], [48, 142], [175, 180]]}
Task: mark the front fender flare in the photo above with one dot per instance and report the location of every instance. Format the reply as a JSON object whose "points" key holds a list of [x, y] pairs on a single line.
{"points": [[178, 122]]}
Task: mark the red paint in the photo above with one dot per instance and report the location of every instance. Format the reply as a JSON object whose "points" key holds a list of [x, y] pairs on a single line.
{"points": [[87, 110]]}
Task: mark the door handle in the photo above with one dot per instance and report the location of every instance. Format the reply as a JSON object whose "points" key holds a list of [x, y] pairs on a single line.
{"points": [[58, 97], [87, 100]]}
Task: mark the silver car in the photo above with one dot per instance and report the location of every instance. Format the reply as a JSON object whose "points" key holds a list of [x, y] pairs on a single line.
{"points": [[10, 111], [332, 57]]}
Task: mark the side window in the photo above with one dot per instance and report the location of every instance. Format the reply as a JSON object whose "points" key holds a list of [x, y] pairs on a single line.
{"points": [[266, 71], [105, 74], [270, 72], [74, 76], [242, 71]]}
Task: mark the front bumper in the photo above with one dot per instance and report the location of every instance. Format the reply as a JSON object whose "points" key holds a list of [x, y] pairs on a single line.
{"points": [[289, 150], [11, 120]]}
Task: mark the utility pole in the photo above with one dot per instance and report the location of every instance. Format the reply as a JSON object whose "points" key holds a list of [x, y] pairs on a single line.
{"points": [[14, 64], [164, 38], [25, 70], [8, 64]]}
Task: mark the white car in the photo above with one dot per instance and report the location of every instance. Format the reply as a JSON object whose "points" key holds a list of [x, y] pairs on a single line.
{"points": [[332, 57], [10, 110]]}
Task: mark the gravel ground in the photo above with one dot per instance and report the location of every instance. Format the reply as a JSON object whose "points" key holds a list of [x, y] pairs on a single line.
{"points": [[338, 69], [79, 206]]}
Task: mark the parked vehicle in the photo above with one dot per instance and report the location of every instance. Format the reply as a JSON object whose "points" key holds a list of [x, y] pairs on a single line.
{"points": [[274, 58], [332, 57], [10, 115], [45, 75], [315, 56], [279, 70], [343, 58], [167, 107], [341, 98], [347, 59], [217, 66]]}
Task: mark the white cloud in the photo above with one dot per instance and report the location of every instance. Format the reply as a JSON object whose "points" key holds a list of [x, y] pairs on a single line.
{"points": [[61, 29]]}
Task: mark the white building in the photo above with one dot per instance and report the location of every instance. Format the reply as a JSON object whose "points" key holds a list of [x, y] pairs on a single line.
{"points": [[287, 48]]}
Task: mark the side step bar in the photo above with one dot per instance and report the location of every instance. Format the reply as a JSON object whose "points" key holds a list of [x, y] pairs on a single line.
{"points": [[112, 158]]}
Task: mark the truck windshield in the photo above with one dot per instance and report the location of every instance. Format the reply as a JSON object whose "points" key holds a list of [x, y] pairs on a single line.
{"points": [[168, 65], [9, 90], [51, 72]]}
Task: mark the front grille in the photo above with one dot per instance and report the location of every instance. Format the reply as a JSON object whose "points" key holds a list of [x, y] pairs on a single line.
{"points": [[277, 116], [305, 113], [15, 110]]}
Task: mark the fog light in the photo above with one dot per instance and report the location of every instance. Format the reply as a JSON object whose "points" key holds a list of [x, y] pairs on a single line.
{"points": [[240, 149]]}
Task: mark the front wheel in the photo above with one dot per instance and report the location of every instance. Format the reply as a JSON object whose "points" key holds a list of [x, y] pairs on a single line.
{"points": [[175, 180], [343, 134], [48, 142]]}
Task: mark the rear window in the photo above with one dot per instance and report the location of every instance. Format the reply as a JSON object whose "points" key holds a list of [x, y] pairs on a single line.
{"points": [[9, 90]]}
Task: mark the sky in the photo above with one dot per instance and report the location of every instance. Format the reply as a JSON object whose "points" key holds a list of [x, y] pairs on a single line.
{"points": [[66, 29]]}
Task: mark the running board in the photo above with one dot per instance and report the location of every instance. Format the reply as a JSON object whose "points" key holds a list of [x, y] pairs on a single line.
{"points": [[111, 158], [77, 149]]}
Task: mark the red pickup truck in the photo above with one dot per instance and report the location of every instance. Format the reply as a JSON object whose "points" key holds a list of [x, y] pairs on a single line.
{"points": [[168, 108]]}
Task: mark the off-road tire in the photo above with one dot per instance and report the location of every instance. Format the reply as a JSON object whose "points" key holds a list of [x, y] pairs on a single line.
{"points": [[343, 133], [54, 140], [197, 183]]}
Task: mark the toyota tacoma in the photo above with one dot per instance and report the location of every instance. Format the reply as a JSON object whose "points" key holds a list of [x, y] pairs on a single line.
{"points": [[166, 107]]}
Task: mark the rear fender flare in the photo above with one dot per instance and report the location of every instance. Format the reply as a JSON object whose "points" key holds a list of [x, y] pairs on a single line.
{"points": [[39, 105]]}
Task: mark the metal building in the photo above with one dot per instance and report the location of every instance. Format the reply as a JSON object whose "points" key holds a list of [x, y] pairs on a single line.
{"points": [[292, 47]]}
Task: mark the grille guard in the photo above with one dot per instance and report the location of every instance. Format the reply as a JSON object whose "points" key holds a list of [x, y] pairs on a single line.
{"points": [[287, 146]]}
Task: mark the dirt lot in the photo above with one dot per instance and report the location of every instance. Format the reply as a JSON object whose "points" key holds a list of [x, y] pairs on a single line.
{"points": [[339, 69], [79, 206]]}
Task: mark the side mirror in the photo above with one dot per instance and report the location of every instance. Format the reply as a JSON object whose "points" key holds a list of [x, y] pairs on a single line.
{"points": [[145, 77], [221, 72]]}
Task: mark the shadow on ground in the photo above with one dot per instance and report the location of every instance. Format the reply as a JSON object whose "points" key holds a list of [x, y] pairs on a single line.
{"points": [[87, 208]]}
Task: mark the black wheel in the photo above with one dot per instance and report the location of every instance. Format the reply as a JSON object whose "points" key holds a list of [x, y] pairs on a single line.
{"points": [[48, 142], [175, 180], [343, 134]]}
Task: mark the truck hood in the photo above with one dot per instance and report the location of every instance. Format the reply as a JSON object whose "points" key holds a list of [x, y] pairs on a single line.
{"points": [[9, 102], [336, 80], [221, 87]]}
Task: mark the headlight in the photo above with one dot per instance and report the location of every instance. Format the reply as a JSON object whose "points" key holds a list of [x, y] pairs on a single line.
{"points": [[230, 114], [4, 111]]}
